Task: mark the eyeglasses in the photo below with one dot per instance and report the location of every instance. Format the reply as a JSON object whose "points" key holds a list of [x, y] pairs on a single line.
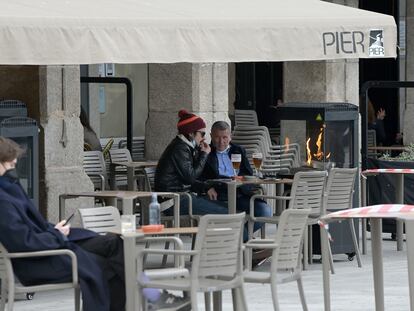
{"points": [[201, 133]]}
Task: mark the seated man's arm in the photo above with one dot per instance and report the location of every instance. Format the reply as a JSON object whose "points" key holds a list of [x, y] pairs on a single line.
{"points": [[17, 235]]}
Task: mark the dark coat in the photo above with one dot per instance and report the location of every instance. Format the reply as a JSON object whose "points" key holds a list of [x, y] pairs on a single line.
{"points": [[23, 229], [179, 167], [211, 171]]}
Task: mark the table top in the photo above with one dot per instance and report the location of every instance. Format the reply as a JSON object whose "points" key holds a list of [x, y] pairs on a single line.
{"points": [[172, 231], [116, 194], [136, 164], [373, 211], [253, 181], [376, 171]]}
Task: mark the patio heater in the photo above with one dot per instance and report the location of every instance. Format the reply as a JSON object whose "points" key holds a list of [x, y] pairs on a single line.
{"points": [[327, 134], [24, 131]]}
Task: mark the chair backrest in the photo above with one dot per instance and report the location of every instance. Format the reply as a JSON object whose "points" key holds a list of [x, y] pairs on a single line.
{"points": [[289, 236], [245, 117], [219, 246], [120, 155], [94, 166], [149, 178], [138, 147], [307, 191], [339, 188], [101, 219]]}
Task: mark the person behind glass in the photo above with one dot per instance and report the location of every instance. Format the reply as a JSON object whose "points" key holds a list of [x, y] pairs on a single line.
{"points": [[219, 165], [181, 165], [23, 229], [91, 140], [376, 122]]}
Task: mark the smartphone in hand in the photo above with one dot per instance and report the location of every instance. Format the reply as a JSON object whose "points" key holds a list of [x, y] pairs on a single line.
{"points": [[69, 219]]}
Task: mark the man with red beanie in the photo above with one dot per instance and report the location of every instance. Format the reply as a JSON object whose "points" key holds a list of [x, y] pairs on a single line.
{"points": [[182, 164]]}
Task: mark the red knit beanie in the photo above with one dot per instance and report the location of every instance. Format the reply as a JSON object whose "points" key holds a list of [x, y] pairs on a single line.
{"points": [[189, 122]]}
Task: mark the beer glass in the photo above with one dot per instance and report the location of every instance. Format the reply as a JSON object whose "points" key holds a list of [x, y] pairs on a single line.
{"points": [[236, 160], [257, 161]]}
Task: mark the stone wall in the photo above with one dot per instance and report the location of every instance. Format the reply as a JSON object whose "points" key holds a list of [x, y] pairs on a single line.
{"points": [[61, 152]]}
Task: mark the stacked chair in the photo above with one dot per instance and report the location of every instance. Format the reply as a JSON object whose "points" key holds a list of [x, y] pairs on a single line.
{"points": [[245, 117]]}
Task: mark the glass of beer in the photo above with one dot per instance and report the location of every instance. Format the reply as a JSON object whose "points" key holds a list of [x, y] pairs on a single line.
{"points": [[257, 161], [236, 160]]}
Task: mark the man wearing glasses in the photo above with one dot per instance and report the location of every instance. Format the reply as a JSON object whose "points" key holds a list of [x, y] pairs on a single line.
{"points": [[182, 164]]}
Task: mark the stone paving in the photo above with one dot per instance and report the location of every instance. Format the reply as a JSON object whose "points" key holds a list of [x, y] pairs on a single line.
{"points": [[351, 288]]}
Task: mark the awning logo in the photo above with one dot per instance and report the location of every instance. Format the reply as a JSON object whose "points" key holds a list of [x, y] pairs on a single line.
{"points": [[376, 43]]}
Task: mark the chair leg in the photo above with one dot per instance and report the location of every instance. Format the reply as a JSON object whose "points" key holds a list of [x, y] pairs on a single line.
{"points": [[273, 288], [250, 226], [242, 298], [3, 294], [354, 240], [305, 250], [331, 263], [310, 241], [10, 296], [77, 298], [194, 306], [302, 294], [207, 301]]}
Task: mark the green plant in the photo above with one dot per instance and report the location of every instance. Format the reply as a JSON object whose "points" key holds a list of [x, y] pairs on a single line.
{"points": [[407, 155]]}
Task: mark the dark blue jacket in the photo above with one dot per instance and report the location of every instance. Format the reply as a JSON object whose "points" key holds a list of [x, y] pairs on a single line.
{"points": [[23, 229]]}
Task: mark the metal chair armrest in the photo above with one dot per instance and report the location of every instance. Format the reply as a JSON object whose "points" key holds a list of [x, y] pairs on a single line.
{"points": [[261, 196], [57, 252]]}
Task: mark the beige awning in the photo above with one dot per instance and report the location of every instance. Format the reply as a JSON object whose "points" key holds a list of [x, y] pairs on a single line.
{"points": [[168, 31]]}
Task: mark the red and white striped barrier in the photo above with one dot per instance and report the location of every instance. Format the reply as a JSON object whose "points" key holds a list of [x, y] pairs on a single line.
{"points": [[388, 171], [373, 211]]}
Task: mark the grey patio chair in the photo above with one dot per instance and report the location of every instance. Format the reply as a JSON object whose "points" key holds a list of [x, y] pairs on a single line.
{"points": [[8, 281], [124, 156], [217, 260], [306, 193], [101, 219], [107, 219], [286, 254], [95, 168], [138, 147], [339, 193]]}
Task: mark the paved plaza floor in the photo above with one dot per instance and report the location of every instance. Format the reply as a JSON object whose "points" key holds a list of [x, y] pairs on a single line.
{"points": [[351, 288]]}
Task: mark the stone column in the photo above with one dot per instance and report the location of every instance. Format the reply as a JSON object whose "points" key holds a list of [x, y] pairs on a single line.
{"points": [[409, 109], [61, 139], [199, 88]]}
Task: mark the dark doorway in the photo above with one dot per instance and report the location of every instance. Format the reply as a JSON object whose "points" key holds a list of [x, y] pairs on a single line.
{"points": [[383, 69], [259, 86]]}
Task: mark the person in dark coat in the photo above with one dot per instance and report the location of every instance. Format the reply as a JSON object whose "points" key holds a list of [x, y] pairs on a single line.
{"points": [[23, 229], [181, 165], [219, 165]]}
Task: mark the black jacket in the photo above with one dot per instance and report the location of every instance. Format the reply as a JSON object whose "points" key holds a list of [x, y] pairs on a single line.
{"points": [[179, 167]]}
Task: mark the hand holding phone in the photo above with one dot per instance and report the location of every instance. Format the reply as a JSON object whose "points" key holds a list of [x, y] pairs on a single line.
{"points": [[69, 219]]}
